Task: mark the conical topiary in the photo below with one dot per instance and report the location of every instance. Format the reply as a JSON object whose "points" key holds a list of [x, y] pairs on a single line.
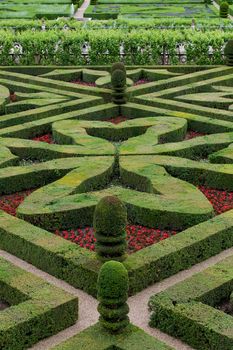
{"points": [[118, 80], [112, 286], [118, 66], [110, 219], [224, 9], [228, 52]]}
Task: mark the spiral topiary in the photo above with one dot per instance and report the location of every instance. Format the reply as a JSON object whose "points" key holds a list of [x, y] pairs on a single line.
{"points": [[110, 219], [118, 80], [112, 287], [118, 65], [224, 9], [228, 52]]}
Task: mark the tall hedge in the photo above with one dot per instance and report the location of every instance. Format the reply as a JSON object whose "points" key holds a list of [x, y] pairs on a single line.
{"points": [[58, 47]]}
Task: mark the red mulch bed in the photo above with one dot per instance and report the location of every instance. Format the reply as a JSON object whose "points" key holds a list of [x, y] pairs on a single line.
{"points": [[48, 138], [117, 120], [192, 134], [141, 82], [80, 82], [221, 200], [10, 202]]}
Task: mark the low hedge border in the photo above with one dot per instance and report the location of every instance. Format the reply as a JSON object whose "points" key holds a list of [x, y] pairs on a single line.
{"points": [[187, 311], [80, 267], [133, 338], [37, 310]]}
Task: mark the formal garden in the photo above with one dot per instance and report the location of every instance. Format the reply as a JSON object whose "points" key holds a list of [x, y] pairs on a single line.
{"points": [[116, 175]]}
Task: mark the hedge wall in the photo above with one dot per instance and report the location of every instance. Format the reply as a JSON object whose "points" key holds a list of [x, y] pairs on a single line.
{"points": [[189, 311], [37, 309], [140, 47]]}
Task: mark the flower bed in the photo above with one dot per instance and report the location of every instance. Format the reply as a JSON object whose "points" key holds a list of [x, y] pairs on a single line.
{"points": [[138, 237]]}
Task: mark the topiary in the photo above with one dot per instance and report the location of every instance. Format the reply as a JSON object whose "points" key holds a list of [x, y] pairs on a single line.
{"points": [[112, 293], [224, 9], [118, 80], [118, 65], [110, 219], [228, 52]]}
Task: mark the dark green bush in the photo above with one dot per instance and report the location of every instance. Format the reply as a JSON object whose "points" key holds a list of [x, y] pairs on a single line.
{"points": [[118, 80], [112, 286], [118, 65], [228, 52], [224, 9], [110, 219]]}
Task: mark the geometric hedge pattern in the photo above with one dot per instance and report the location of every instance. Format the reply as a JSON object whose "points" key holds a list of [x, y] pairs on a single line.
{"points": [[146, 160]]}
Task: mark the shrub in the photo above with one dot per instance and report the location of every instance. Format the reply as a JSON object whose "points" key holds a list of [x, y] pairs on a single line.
{"points": [[110, 219], [118, 65], [224, 9], [112, 286], [229, 52], [118, 80]]}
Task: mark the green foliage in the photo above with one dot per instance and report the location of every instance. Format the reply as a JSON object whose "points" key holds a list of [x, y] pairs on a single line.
{"points": [[228, 51], [35, 44], [113, 285], [187, 309], [224, 9], [110, 219], [37, 309], [118, 66], [118, 79], [133, 338]]}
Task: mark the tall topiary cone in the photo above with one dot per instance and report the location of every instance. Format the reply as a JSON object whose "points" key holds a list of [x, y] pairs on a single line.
{"points": [[110, 219], [112, 286], [228, 52], [224, 9], [118, 80]]}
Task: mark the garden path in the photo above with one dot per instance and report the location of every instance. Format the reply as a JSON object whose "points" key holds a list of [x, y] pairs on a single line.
{"points": [[139, 314], [80, 12]]}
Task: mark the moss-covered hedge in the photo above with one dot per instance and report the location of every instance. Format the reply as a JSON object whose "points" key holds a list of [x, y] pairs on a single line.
{"points": [[79, 267], [187, 311], [37, 309], [133, 338]]}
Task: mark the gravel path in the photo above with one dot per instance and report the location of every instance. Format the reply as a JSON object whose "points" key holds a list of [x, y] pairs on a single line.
{"points": [[139, 314], [80, 12]]}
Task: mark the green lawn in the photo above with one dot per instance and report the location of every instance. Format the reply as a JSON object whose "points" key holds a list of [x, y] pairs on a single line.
{"points": [[49, 9]]}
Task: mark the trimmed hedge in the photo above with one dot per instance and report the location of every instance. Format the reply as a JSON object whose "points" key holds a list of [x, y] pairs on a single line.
{"points": [[133, 338], [80, 268], [37, 310], [187, 311]]}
